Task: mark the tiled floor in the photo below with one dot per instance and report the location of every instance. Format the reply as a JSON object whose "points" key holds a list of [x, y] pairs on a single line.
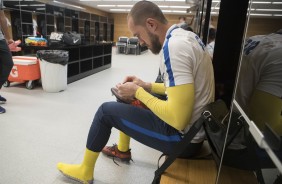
{"points": [[40, 129]]}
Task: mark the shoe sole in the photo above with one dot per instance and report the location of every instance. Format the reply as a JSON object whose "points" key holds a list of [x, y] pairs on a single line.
{"points": [[76, 179]]}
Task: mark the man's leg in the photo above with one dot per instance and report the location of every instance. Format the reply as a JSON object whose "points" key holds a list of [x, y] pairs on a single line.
{"points": [[140, 124], [6, 64], [124, 141]]}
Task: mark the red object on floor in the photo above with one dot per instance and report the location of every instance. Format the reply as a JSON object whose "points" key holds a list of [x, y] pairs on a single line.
{"points": [[25, 69]]}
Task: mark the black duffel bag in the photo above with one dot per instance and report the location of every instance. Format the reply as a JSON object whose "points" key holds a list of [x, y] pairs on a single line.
{"points": [[71, 38]]}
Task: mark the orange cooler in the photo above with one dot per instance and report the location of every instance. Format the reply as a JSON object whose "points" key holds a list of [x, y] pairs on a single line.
{"points": [[25, 69]]}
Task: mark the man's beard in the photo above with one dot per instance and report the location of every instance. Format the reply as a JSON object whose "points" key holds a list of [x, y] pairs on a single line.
{"points": [[155, 43]]}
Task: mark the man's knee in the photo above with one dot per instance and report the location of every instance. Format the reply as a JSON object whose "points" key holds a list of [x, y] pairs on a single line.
{"points": [[108, 107], [105, 108]]}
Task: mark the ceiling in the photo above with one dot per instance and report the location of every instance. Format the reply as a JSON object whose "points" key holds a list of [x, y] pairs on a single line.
{"points": [[261, 8]]}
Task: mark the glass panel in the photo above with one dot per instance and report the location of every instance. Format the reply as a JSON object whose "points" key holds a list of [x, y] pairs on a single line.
{"points": [[249, 159]]}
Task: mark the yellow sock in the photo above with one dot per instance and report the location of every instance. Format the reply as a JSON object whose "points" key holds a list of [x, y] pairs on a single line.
{"points": [[81, 172], [124, 140]]}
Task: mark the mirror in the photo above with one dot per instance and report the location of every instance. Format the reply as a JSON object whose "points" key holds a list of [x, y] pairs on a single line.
{"points": [[257, 95]]}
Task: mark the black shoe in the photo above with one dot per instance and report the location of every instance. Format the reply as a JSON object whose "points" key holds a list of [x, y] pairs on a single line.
{"points": [[2, 110], [2, 100]]}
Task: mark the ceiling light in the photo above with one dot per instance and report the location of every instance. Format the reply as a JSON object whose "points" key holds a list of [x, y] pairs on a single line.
{"points": [[269, 9], [257, 14], [105, 5], [180, 7], [125, 6], [74, 6], [176, 0], [120, 10], [166, 11], [277, 15], [261, 2], [178, 11]]}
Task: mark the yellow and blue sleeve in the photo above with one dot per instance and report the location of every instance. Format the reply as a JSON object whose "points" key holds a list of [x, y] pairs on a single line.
{"points": [[176, 110]]}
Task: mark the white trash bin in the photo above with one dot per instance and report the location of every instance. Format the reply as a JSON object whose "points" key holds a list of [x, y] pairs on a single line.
{"points": [[53, 69]]}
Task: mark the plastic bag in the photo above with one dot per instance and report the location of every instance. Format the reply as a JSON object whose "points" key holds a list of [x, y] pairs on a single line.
{"points": [[54, 56]]}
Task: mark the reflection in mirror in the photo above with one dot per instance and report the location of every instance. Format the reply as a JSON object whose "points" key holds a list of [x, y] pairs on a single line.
{"points": [[211, 40], [258, 92]]}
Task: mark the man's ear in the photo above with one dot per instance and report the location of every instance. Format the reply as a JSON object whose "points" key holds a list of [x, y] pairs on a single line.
{"points": [[151, 24]]}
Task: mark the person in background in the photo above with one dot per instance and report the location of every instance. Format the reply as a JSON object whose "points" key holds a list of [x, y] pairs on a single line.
{"points": [[211, 41], [187, 72], [182, 20], [186, 27], [6, 61]]}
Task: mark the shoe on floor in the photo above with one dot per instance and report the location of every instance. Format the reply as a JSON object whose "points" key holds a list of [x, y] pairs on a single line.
{"points": [[2, 110], [113, 151], [73, 171], [2, 100]]}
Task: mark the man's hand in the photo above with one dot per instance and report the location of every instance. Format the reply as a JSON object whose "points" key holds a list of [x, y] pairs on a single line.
{"points": [[127, 90], [146, 85]]}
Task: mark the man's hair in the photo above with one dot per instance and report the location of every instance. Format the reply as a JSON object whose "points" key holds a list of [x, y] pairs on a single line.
{"points": [[212, 33], [143, 10]]}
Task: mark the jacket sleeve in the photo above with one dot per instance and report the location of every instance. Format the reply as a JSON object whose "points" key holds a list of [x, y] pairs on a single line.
{"points": [[176, 110]]}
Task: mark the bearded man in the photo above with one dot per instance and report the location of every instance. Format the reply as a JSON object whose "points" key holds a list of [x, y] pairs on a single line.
{"points": [[187, 72]]}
